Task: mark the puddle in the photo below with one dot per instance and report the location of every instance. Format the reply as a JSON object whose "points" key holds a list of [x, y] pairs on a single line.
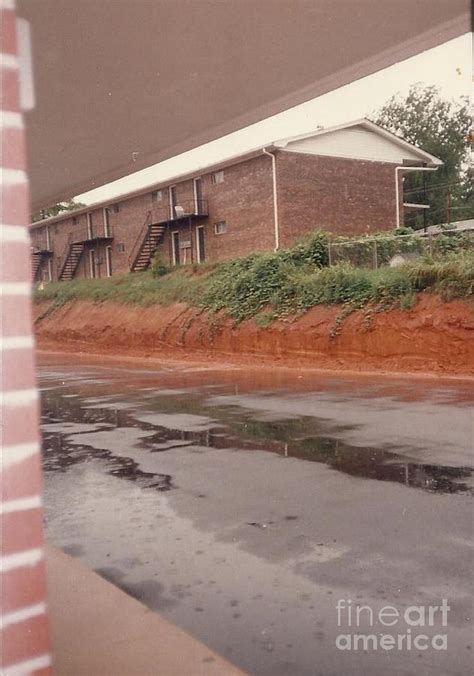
{"points": [[230, 428], [243, 519], [59, 454]]}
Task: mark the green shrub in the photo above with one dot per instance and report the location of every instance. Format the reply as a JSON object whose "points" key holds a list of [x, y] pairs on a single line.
{"points": [[312, 250], [271, 285], [265, 319], [391, 284], [158, 266]]}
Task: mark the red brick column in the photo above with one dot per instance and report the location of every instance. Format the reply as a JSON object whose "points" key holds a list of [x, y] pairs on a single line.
{"points": [[24, 646]]}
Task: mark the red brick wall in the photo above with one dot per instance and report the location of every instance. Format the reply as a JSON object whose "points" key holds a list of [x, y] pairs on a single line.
{"points": [[340, 195], [243, 201], [24, 644], [347, 197], [136, 211]]}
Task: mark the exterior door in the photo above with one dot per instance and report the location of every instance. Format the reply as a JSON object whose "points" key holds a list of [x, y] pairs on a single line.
{"points": [[90, 230], [108, 261], [201, 246], [106, 222], [92, 265], [198, 196], [173, 201], [175, 245]]}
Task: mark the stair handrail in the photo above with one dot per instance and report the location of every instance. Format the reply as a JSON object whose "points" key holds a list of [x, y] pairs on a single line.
{"points": [[65, 255], [36, 264], [140, 240]]}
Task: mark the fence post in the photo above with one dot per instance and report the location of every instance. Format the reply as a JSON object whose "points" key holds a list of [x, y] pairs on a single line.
{"points": [[329, 254], [376, 260]]}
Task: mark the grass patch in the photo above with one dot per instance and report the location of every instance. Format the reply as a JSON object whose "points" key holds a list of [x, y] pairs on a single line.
{"points": [[140, 288], [271, 285]]}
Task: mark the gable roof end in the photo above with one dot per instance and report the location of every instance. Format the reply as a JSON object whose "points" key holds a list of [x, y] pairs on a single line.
{"points": [[431, 160]]}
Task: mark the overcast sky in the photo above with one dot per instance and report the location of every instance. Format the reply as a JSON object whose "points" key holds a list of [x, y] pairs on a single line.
{"points": [[448, 66]]}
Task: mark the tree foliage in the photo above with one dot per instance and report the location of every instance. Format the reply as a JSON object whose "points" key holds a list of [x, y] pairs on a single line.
{"points": [[442, 128], [69, 205]]}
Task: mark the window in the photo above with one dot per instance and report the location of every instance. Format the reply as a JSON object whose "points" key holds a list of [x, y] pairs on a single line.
{"points": [[157, 196], [218, 177], [120, 247], [116, 207], [74, 220], [220, 228]]}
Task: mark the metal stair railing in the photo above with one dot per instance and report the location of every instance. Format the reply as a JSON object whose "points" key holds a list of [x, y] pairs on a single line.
{"points": [[67, 252], [188, 208], [88, 233], [140, 241], [35, 264]]}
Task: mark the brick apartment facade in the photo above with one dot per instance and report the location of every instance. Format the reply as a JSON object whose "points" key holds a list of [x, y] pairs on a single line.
{"points": [[230, 209]]}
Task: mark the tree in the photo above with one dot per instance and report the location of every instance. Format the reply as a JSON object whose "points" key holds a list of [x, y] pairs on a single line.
{"points": [[442, 128], [56, 209]]}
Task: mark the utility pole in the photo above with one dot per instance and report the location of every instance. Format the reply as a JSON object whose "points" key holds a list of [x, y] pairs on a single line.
{"points": [[448, 207]]}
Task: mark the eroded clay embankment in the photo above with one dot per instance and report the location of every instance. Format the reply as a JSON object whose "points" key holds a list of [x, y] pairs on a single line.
{"points": [[431, 337]]}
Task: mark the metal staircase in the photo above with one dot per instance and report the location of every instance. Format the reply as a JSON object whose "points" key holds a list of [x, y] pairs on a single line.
{"points": [[39, 257], [35, 264], [146, 244], [71, 261]]}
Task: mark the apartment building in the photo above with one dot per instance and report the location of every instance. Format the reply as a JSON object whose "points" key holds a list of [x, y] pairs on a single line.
{"points": [[347, 180]]}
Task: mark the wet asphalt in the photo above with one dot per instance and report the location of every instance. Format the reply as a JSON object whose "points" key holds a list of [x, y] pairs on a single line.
{"points": [[246, 506]]}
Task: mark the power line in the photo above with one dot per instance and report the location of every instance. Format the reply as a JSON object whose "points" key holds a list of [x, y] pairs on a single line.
{"points": [[437, 186]]}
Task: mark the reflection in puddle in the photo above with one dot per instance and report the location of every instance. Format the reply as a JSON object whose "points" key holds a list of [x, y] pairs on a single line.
{"points": [[58, 455], [229, 428]]}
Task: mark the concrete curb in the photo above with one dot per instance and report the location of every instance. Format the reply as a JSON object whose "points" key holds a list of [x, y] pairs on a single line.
{"points": [[98, 630]]}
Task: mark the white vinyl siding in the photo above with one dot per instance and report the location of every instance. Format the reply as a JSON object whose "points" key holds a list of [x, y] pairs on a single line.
{"points": [[354, 143]]}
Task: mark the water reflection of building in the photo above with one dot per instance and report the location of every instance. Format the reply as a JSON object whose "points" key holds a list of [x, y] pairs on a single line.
{"points": [[287, 438]]}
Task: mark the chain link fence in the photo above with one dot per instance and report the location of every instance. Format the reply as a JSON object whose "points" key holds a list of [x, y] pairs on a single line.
{"points": [[393, 250]]}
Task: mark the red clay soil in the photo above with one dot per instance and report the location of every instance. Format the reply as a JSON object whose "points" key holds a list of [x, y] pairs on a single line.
{"points": [[431, 337]]}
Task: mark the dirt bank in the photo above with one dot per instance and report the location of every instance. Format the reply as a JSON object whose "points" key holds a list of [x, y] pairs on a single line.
{"points": [[430, 337]]}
